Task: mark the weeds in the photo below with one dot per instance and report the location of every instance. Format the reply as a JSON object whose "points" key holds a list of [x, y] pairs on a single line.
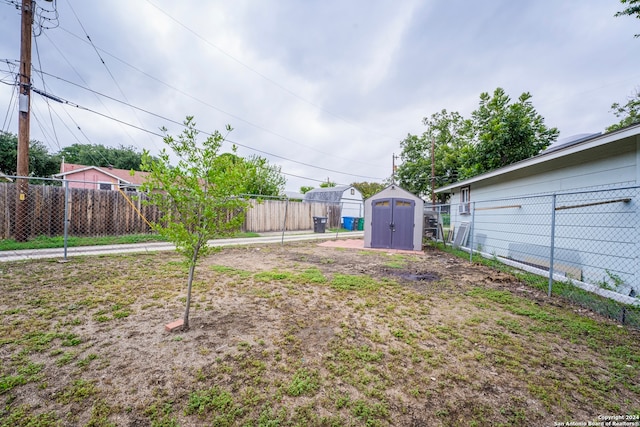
{"points": [[303, 382], [318, 340]]}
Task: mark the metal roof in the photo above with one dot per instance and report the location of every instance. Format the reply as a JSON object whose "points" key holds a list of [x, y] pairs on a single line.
{"points": [[327, 195]]}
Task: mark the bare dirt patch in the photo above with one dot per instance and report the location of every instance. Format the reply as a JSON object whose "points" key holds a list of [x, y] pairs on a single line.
{"points": [[301, 335]]}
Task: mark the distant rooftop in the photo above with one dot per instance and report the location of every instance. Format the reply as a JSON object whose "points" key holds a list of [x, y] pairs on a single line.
{"points": [[569, 141]]}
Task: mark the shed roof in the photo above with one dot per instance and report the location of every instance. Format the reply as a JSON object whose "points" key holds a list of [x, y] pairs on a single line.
{"points": [[327, 195], [393, 190], [562, 150]]}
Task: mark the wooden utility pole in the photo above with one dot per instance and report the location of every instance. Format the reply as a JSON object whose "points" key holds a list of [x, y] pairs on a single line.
{"points": [[394, 168], [433, 173], [24, 105]]}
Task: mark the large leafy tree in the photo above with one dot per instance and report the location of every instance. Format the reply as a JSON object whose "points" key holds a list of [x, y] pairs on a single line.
{"points": [[632, 9], [507, 132], [263, 178], [41, 163], [629, 113], [198, 198], [414, 172], [450, 135], [499, 132], [121, 157], [368, 189]]}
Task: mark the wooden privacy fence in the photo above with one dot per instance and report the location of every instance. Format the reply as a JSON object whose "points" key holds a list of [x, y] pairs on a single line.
{"points": [[90, 212], [107, 213], [273, 215]]}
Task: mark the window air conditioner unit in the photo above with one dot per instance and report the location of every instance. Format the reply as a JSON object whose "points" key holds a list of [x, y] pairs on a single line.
{"points": [[464, 208]]}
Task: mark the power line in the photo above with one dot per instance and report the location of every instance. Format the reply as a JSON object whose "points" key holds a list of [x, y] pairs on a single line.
{"points": [[181, 124], [9, 115], [45, 19], [300, 163], [86, 88], [63, 101], [207, 104], [253, 70], [53, 127], [103, 62]]}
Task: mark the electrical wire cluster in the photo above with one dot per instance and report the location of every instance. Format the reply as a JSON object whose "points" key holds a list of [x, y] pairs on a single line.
{"points": [[45, 18]]}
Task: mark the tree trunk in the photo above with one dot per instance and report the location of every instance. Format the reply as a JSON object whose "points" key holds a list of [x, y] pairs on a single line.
{"points": [[192, 268]]}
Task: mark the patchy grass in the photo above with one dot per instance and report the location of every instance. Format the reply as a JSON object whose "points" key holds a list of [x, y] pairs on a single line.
{"points": [[302, 335]]}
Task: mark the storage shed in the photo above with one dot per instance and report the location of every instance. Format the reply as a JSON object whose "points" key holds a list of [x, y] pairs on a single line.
{"points": [[393, 220]]}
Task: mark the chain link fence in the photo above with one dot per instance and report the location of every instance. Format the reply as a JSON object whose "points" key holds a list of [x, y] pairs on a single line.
{"points": [[50, 212], [586, 243]]}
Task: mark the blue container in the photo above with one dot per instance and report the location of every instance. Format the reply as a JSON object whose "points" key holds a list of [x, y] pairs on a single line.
{"points": [[349, 222]]}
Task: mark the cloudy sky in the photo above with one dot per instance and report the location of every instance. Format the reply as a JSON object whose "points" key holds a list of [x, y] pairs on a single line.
{"points": [[324, 89]]}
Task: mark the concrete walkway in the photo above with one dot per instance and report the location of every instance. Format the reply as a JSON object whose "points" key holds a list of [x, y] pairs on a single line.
{"points": [[265, 238]]}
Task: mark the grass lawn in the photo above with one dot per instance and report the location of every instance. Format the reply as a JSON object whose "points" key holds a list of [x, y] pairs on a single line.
{"points": [[45, 242], [301, 335]]}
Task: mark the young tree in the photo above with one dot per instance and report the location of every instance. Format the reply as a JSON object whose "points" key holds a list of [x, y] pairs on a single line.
{"points": [[198, 198], [629, 113]]}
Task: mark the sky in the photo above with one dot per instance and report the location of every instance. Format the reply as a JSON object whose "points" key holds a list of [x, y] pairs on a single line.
{"points": [[326, 90]]}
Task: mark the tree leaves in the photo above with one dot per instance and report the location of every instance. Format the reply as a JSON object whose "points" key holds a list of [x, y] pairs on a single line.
{"points": [[629, 112], [499, 132], [631, 10], [199, 198]]}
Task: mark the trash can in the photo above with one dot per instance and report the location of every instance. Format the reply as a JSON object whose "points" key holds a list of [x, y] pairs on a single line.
{"points": [[319, 224], [360, 224], [348, 222]]}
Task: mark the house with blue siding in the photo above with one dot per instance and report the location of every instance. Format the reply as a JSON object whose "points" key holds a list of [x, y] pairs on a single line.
{"points": [[573, 208]]}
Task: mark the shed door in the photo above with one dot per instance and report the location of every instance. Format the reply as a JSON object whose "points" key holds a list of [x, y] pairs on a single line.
{"points": [[392, 223]]}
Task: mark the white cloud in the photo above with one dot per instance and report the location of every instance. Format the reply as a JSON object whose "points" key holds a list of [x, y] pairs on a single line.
{"points": [[333, 84]]}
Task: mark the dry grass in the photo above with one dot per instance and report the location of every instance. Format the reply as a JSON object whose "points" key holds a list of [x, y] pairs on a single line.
{"points": [[301, 335]]}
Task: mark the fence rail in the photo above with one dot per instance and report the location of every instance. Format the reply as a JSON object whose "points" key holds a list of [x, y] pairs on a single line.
{"points": [[581, 241], [92, 212]]}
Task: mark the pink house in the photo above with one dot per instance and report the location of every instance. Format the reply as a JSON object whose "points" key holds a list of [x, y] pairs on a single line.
{"points": [[100, 178]]}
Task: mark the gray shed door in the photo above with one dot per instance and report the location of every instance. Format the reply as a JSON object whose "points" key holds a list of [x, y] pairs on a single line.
{"points": [[392, 223]]}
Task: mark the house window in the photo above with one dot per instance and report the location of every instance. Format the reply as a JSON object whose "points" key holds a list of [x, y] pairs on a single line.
{"points": [[382, 203], [465, 200], [104, 186], [353, 191]]}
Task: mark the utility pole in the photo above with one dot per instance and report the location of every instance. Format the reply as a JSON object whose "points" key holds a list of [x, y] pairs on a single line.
{"points": [[24, 103], [394, 168], [433, 173]]}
